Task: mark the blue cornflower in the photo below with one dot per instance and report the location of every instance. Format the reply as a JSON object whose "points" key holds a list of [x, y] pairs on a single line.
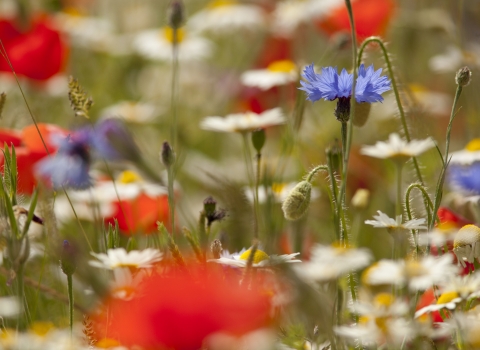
{"points": [[70, 166], [465, 178], [330, 86]]}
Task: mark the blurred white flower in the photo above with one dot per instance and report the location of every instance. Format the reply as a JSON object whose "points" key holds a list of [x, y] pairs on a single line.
{"points": [[244, 122], [466, 245], [469, 155], [383, 220], [329, 263], [395, 147], [93, 33], [416, 274], [131, 111], [278, 191], [119, 257], [260, 259], [439, 236], [261, 339], [454, 58], [277, 73], [225, 16], [157, 44]]}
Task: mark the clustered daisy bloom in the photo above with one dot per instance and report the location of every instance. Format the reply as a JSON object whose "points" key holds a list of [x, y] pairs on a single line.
{"points": [[260, 258]]}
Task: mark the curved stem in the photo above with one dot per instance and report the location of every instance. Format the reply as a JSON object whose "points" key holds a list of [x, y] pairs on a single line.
{"points": [[401, 111]]}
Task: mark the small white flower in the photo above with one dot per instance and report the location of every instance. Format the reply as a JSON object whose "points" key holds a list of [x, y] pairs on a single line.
{"points": [[383, 220], [466, 245], [454, 58], [244, 122], [119, 257], [137, 112], [260, 259], [329, 263], [395, 147], [467, 156], [438, 237], [277, 73], [221, 16], [417, 274], [157, 44], [278, 191]]}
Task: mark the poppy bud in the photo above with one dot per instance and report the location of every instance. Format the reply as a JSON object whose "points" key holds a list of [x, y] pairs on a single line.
{"points": [[297, 201]]}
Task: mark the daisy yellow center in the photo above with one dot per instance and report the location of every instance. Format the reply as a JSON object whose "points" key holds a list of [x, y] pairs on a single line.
{"points": [[168, 34], [42, 328], [107, 343], [467, 235], [283, 66], [414, 269], [384, 299], [259, 256], [128, 177], [278, 187], [447, 297], [220, 3], [72, 11], [445, 227], [473, 145], [131, 266]]}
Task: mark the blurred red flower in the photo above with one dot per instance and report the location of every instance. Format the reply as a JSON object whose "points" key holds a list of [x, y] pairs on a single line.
{"points": [[371, 18], [29, 149], [179, 310], [37, 52], [140, 214]]}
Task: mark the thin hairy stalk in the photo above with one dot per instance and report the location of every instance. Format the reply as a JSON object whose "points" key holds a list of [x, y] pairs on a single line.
{"points": [[333, 198], [446, 160], [250, 175], [70, 301], [173, 102], [398, 203], [401, 111], [348, 136]]}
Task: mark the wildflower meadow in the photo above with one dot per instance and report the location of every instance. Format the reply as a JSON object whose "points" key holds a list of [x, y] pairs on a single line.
{"points": [[239, 174]]}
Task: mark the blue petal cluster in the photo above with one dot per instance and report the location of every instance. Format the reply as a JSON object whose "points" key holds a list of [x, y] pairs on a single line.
{"points": [[465, 178], [69, 167], [330, 85]]}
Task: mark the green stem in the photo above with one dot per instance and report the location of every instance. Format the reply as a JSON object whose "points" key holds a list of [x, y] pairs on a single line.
{"points": [[174, 121], [441, 180], [250, 175], [398, 203], [70, 301], [171, 200], [21, 293]]}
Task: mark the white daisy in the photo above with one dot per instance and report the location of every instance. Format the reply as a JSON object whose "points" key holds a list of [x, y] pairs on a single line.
{"points": [[226, 16], [289, 14], [469, 155], [395, 147], [131, 111], [260, 259], [454, 58], [328, 262], [157, 44], [119, 257], [417, 274], [244, 122], [84, 31], [278, 191], [383, 220], [439, 236], [277, 73], [466, 245]]}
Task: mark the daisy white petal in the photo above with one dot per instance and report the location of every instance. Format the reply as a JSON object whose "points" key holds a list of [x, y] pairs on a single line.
{"points": [[119, 257], [396, 147]]}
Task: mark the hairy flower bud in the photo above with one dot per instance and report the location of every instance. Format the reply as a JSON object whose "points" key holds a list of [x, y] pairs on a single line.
{"points": [[258, 139], [463, 76], [67, 259], [176, 14], [167, 155], [297, 201]]}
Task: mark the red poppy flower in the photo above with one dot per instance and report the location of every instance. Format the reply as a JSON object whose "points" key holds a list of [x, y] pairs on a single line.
{"points": [[37, 52], [29, 150], [140, 214], [179, 311], [371, 18]]}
